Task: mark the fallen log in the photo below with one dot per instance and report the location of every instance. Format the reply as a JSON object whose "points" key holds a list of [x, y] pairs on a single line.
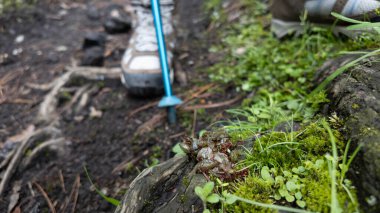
{"points": [[355, 97], [167, 187]]}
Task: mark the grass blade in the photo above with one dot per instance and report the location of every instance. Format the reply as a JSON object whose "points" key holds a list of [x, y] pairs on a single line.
{"points": [[110, 200]]}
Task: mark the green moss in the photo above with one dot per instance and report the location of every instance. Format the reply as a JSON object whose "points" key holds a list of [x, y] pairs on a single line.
{"points": [[254, 188], [355, 106], [293, 159], [186, 181], [182, 198]]}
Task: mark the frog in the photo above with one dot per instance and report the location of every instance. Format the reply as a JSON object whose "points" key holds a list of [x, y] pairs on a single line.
{"points": [[215, 154]]}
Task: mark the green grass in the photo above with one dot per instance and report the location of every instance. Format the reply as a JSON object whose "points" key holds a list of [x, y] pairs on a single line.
{"points": [[292, 168], [14, 4]]}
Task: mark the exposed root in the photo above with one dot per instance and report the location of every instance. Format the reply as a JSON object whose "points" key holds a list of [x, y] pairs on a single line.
{"points": [[25, 144], [78, 94], [96, 73], [47, 111], [53, 144], [47, 108]]}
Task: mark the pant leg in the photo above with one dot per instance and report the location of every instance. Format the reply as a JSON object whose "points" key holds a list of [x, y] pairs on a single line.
{"points": [[287, 10]]}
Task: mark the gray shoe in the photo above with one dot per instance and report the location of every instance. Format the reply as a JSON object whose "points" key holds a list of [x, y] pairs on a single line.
{"points": [[140, 63], [286, 14]]}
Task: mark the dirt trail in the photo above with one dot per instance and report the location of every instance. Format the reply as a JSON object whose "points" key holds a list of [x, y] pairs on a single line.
{"points": [[51, 36]]}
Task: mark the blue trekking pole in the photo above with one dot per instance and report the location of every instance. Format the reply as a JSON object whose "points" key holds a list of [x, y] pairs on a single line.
{"points": [[169, 100]]}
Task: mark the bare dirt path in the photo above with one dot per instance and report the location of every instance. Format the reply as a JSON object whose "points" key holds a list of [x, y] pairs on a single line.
{"points": [[36, 44]]}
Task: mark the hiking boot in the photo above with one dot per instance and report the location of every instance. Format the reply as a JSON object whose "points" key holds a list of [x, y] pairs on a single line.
{"points": [[286, 14], [141, 69]]}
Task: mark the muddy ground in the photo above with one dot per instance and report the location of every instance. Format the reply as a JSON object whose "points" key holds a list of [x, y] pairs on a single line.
{"points": [[53, 33]]}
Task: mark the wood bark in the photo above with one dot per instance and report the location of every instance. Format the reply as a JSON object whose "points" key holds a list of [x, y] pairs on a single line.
{"points": [[167, 187], [355, 97]]}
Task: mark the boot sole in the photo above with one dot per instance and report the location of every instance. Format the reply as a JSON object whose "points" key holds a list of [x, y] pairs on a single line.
{"points": [[144, 85], [283, 28]]}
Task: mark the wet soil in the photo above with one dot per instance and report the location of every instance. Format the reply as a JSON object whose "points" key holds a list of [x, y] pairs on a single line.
{"points": [[53, 32]]}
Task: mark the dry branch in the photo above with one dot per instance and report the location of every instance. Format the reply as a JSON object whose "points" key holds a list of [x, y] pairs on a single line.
{"points": [[129, 161], [213, 105]]}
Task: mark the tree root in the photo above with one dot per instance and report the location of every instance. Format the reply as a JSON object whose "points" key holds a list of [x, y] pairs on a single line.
{"points": [[47, 112], [25, 144]]}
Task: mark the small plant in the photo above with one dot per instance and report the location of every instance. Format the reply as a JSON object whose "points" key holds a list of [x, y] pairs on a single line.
{"points": [[206, 194], [110, 200]]}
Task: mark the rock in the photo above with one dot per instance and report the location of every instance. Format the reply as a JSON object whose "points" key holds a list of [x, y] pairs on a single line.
{"points": [[61, 48], [93, 13], [167, 187], [19, 39], [52, 58], [355, 97], [94, 39], [93, 56], [117, 20]]}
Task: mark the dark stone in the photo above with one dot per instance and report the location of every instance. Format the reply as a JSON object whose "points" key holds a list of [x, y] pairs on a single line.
{"points": [[93, 56], [93, 39], [117, 20], [355, 97], [93, 13], [52, 58]]}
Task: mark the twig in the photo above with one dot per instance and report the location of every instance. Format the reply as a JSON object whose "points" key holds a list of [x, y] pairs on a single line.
{"points": [[76, 192], [31, 189], [151, 123], [194, 123], [61, 179], [142, 108], [195, 94], [74, 188], [43, 87], [214, 105], [177, 135], [129, 161], [50, 204]]}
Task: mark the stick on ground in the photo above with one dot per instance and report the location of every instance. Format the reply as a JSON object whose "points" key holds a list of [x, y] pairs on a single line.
{"points": [[50, 204]]}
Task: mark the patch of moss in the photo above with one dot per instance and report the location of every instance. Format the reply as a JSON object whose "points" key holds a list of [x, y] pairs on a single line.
{"points": [[296, 158], [355, 106], [253, 188]]}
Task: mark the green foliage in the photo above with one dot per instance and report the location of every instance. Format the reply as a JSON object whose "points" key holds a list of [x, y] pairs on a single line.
{"points": [[206, 194], [178, 151], [14, 4], [290, 168]]}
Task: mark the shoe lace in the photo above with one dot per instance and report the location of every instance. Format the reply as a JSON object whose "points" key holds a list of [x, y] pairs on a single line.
{"points": [[145, 31]]}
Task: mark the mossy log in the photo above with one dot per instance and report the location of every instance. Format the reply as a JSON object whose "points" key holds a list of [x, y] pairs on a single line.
{"points": [[167, 187], [355, 97]]}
